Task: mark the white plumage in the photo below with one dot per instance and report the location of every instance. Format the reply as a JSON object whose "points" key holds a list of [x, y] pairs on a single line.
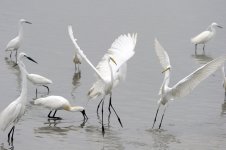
{"points": [[59, 103], [112, 67], [15, 43], [187, 84], [15, 110], [77, 59], [205, 36]]}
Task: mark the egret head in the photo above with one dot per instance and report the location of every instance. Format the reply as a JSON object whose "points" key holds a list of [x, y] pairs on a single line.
{"points": [[24, 21], [24, 55], [214, 24], [168, 68]]}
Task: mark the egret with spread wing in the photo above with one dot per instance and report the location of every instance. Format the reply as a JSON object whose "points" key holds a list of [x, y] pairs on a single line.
{"points": [[184, 86], [111, 69]]}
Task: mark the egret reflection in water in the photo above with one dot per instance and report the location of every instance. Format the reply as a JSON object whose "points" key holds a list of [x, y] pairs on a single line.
{"points": [[202, 58]]}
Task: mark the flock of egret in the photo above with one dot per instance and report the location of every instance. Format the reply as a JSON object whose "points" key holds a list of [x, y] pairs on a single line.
{"points": [[110, 71]]}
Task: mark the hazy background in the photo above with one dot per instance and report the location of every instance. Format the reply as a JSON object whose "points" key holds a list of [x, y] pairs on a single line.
{"points": [[197, 121]]}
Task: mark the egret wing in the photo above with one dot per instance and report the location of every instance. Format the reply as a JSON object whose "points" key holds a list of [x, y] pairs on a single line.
{"points": [[162, 55], [122, 49], [70, 31], [186, 85]]}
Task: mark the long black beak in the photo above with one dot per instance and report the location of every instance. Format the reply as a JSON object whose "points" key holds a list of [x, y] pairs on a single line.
{"points": [[219, 26], [28, 22], [31, 59], [84, 115]]}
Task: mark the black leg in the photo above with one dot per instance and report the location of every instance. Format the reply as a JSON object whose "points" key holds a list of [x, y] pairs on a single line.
{"points": [[53, 117], [110, 104], [16, 56], [203, 48], [99, 104], [196, 48], [156, 116], [10, 56], [11, 131], [36, 93], [109, 109], [46, 87], [49, 114], [103, 131], [162, 116]]}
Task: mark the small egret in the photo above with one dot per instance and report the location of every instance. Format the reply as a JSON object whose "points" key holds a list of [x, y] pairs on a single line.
{"points": [[15, 43], [59, 103], [205, 36], [111, 69], [77, 57], [15, 110], [184, 86], [39, 81]]}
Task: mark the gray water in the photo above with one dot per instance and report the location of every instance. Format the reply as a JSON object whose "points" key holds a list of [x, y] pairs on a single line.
{"points": [[197, 121]]}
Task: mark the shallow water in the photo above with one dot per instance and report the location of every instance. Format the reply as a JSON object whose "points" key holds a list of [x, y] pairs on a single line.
{"points": [[197, 121]]}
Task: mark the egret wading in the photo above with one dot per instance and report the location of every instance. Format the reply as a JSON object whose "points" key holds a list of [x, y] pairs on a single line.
{"points": [[39, 80], [110, 70], [205, 36], [184, 86], [55, 103], [15, 110], [15, 43]]}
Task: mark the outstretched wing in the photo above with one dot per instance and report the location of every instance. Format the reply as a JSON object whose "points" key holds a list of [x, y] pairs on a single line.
{"points": [[164, 60], [122, 49], [80, 52], [186, 85]]}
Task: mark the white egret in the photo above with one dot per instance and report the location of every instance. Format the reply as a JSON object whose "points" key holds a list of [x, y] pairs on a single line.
{"points": [[15, 43], [59, 103], [15, 110], [184, 86], [39, 80], [77, 57], [111, 69], [205, 36]]}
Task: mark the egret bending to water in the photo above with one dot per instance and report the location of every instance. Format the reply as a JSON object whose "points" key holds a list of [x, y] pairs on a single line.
{"points": [[39, 81], [59, 103], [205, 36], [111, 69], [77, 57], [15, 110], [15, 43], [184, 86]]}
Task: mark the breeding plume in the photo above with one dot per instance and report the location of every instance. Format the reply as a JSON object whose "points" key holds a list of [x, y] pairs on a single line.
{"points": [[184, 86], [15, 110], [55, 103], [15, 43], [205, 36], [111, 69]]}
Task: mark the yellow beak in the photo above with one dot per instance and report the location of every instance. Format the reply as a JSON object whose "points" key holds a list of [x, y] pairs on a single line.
{"points": [[168, 68], [113, 60]]}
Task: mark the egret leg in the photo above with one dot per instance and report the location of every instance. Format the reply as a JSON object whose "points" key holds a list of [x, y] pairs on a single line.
{"points": [[196, 47], [49, 114], [162, 116], [99, 104], [156, 116], [103, 131], [36, 93], [53, 117], [10, 56], [110, 105], [203, 48], [11, 131], [16, 56], [46, 87]]}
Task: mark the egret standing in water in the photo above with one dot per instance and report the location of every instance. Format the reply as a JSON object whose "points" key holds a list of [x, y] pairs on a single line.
{"points": [[77, 57], [224, 79], [184, 86], [59, 103], [15, 110], [205, 36], [111, 69], [15, 43], [38, 80]]}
